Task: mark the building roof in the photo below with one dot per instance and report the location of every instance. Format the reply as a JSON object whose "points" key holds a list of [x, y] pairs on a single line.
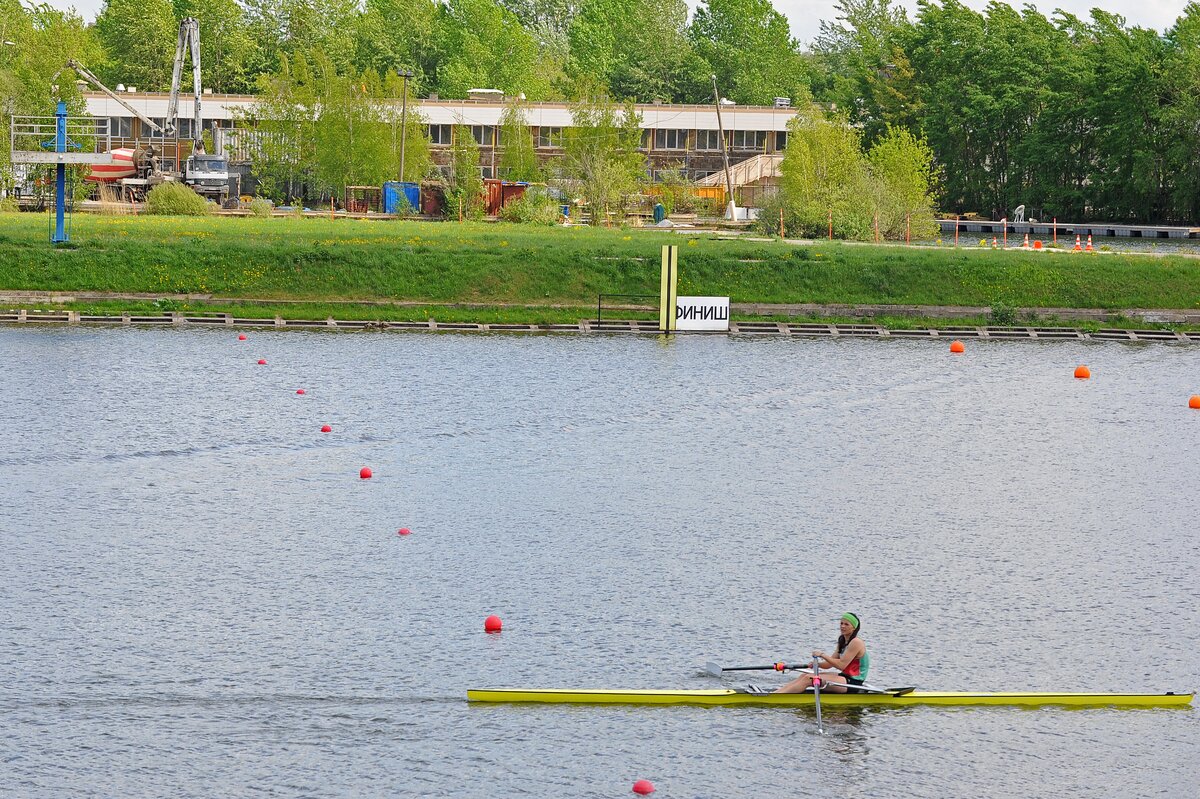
{"points": [[478, 112]]}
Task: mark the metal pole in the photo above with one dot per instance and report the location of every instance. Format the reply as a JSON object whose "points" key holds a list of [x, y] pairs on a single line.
{"points": [[60, 177], [731, 209], [406, 74]]}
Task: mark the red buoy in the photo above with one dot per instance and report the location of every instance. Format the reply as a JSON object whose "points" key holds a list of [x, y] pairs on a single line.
{"points": [[492, 624], [299, 391], [643, 787], [365, 473], [262, 361], [326, 428], [404, 531], [241, 336], [957, 347]]}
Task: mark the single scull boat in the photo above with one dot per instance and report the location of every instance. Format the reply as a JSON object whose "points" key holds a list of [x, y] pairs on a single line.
{"points": [[883, 699]]}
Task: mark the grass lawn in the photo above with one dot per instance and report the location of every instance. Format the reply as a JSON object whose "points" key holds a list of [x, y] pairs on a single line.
{"points": [[318, 261]]}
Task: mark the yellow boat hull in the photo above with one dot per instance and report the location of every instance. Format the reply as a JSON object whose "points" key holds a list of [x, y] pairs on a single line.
{"points": [[737, 698]]}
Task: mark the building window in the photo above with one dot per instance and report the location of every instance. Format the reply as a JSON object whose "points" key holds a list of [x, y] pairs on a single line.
{"points": [[670, 139], [748, 140], [700, 174], [483, 135], [120, 127], [780, 140], [439, 134], [485, 172], [549, 137], [708, 140], [183, 128]]}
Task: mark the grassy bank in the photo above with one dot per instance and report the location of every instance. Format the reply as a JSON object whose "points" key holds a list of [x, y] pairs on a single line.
{"points": [[321, 260]]}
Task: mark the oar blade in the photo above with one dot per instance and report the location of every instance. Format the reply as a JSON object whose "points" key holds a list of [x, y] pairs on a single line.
{"points": [[712, 669]]}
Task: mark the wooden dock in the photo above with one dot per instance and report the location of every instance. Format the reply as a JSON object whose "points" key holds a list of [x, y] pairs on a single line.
{"points": [[614, 326], [1047, 229]]}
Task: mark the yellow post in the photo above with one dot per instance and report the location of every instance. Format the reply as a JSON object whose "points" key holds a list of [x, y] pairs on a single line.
{"points": [[668, 294]]}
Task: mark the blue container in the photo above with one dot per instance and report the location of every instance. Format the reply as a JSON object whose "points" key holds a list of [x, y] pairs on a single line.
{"points": [[394, 190]]}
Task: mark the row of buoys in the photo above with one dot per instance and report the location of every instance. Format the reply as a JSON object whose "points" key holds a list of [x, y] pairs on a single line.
{"points": [[1081, 372], [365, 472]]}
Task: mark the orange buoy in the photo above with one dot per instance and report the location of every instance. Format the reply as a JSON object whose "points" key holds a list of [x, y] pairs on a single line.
{"points": [[1082, 372], [1194, 401], [365, 473], [957, 346], [492, 624]]}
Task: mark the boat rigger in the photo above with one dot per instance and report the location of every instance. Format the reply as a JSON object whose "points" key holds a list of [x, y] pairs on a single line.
{"points": [[726, 697]]}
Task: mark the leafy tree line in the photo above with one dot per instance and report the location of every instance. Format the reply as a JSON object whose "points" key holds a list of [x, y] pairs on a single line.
{"points": [[1074, 118]]}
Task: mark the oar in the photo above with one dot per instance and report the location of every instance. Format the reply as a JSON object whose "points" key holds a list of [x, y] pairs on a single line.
{"points": [[816, 684], [714, 670]]}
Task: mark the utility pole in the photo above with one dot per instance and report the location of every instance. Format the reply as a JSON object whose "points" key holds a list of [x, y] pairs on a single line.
{"points": [[732, 207], [406, 74]]}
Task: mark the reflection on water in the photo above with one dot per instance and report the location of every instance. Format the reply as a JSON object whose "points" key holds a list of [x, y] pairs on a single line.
{"points": [[200, 597]]}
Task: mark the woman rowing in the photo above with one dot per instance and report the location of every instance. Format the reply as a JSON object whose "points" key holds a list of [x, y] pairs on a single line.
{"points": [[848, 666]]}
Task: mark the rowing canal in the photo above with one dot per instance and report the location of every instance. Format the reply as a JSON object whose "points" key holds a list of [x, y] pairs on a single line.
{"points": [[199, 597]]}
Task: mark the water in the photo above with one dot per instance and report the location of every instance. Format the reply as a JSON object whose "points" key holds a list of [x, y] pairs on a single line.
{"points": [[199, 597]]}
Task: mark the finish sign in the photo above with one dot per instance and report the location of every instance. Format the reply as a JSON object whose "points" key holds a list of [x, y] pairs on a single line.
{"points": [[702, 313]]}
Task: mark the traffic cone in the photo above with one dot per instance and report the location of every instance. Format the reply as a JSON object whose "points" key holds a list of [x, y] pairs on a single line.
{"points": [[1026, 244], [1089, 247], [995, 243], [1077, 248]]}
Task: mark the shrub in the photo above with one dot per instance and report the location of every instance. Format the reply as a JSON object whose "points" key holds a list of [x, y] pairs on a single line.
{"points": [[535, 207], [176, 199], [261, 206], [8, 205]]}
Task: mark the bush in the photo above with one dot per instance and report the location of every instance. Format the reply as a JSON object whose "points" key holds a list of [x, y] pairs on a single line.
{"points": [[260, 206], [8, 205], [176, 199], [535, 207]]}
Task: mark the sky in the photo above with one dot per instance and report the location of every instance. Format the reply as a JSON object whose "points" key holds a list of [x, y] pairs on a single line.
{"points": [[805, 15]]}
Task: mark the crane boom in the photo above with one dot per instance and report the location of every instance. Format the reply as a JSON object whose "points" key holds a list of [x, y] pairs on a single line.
{"points": [[189, 41], [87, 75]]}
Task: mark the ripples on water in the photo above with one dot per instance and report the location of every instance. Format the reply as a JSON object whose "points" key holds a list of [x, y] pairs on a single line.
{"points": [[199, 597]]}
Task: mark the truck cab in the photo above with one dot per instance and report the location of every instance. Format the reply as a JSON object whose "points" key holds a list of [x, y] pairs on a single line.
{"points": [[208, 176]]}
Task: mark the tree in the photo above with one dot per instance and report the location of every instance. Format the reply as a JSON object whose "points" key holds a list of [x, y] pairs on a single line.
{"points": [[399, 34], [823, 172], [601, 159], [518, 158], [139, 39], [483, 45], [750, 47], [308, 27], [863, 67], [229, 54], [466, 182], [905, 180], [636, 50]]}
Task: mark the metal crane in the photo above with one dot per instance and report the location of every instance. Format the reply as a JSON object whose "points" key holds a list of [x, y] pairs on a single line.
{"points": [[189, 39], [87, 75]]}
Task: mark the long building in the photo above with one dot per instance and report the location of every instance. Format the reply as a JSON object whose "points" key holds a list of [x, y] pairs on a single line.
{"points": [[674, 136]]}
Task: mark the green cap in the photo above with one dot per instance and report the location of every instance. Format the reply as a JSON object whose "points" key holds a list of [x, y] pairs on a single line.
{"points": [[850, 617]]}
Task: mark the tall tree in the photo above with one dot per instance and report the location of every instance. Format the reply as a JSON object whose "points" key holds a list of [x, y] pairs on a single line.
{"points": [[518, 158], [466, 181], [399, 34], [288, 27], [635, 49], [139, 39], [601, 156], [750, 47], [229, 53], [481, 44]]}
